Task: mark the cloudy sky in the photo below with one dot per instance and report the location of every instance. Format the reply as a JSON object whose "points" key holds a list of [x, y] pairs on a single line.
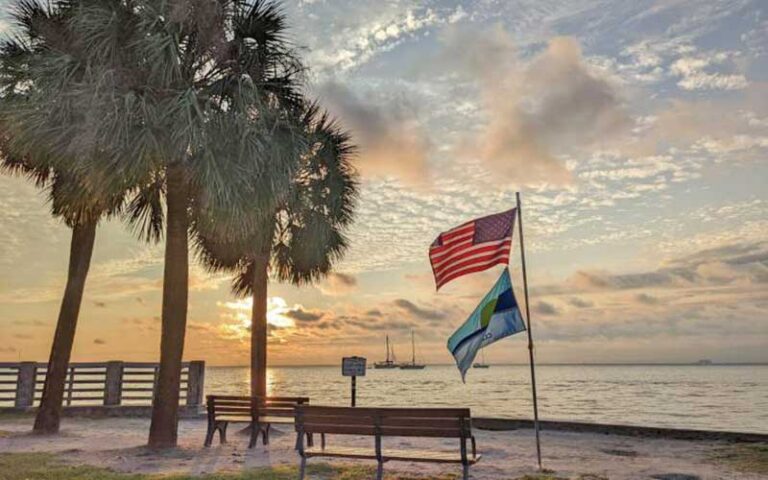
{"points": [[636, 131]]}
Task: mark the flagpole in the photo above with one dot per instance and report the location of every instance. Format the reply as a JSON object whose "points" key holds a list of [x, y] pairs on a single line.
{"points": [[530, 334]]}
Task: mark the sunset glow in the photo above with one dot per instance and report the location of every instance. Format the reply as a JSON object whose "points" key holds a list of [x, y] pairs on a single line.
{"points": [[641, 159]]}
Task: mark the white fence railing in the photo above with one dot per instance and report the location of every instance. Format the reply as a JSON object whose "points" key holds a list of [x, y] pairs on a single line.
{"points": [[97, 383]]}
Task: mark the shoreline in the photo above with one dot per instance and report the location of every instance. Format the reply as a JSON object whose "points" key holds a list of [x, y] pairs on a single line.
{"points": [[499, 424]]}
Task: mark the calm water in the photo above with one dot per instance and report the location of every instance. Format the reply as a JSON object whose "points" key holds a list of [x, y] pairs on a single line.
{"points": [[709, 397]]}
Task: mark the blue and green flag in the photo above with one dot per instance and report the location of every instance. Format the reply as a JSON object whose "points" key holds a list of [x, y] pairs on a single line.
{"points": [[497, 316]]}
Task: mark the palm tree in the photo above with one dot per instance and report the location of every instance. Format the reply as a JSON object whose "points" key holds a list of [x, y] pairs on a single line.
{"points": [[303, 237], [72, 198], [195, 93]]}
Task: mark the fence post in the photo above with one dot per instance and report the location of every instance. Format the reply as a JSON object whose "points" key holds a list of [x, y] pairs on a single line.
{"points": [[113, 383], [25, 384], [195, 383]]}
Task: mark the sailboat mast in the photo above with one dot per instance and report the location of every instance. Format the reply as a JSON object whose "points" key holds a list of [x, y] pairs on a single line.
{"points": [[413, 349], [387, 337]]}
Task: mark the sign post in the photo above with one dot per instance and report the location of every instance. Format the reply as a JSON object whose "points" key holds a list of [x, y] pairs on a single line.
{"points": [[353, 367]]}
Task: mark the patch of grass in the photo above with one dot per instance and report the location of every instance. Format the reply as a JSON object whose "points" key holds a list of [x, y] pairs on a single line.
{"points": [[751, 458], [42, 466]]}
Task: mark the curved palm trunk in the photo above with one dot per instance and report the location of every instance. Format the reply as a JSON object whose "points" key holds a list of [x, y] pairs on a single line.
{"points": [[165, 407], [80, 251], [259, 328]]}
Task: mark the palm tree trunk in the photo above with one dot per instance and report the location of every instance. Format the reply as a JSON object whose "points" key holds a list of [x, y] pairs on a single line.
{"points": [[165, 407], [80, 251], [259, 328]]}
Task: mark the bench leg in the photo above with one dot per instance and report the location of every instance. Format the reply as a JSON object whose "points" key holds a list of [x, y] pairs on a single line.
{"points": [[310, 440], [209, 434], [265, 434], [380, 471], [255, 428], [465, 474], [302, 468], [322, 441], [223, 432]]}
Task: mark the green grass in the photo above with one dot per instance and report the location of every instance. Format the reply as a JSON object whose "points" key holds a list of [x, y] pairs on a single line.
{"points": [[41, 466], [44, 466], [748, 458]]}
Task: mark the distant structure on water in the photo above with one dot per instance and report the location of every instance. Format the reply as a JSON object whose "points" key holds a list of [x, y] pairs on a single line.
{"points": [[412, 365], [481, 363], [390, 361], [705, 361]]}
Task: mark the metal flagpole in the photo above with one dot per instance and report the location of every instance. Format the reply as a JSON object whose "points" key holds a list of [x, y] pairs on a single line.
{"points": [[530, 334]]}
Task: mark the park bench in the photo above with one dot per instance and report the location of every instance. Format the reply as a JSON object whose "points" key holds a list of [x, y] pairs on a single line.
{"points": [[386, 422], [226, 409]]}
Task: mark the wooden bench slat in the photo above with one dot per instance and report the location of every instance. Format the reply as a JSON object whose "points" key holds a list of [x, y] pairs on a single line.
{"points": [[454, 422], [273, 399], [341, 452], [387, 455], [427, 456], [384, 412], [383, 431]]}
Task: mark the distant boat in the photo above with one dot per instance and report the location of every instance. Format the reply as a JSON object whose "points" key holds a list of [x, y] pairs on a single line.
{"points": [[412, 365], [481, 363], [705, 361], [390, 362]]}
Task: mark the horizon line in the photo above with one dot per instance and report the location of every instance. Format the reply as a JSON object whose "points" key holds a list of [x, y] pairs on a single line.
{"points": [[551, 364]]}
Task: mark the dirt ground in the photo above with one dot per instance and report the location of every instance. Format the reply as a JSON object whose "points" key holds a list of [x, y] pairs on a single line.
{"points": [[117, 443]]}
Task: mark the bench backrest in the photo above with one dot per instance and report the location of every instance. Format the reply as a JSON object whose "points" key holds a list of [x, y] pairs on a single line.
{"points": [[241, 406], [393, 422]]}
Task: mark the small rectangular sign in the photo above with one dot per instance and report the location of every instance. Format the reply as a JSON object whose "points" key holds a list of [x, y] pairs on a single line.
{"points": [[353, 366]]}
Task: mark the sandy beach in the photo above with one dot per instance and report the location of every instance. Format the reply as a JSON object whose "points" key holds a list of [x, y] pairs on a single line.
{"points": [[117, 443]]}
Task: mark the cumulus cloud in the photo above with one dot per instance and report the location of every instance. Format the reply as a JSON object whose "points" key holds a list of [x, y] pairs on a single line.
{"points": [[302, 315], [537, 109], [545, 308], [337, 284], [419, 312], [738, 265], [391, 140]]}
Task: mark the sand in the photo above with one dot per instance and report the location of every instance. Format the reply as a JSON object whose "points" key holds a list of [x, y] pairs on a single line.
{"points": [[117, 443]]}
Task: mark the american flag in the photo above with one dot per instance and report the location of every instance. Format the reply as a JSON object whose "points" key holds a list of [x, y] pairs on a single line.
{"points": [[472, 247]]}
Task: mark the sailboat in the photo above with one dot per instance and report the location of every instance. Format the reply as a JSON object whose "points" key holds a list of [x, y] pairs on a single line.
{"points": [[390, 362], [481, 363], [412, 365]]}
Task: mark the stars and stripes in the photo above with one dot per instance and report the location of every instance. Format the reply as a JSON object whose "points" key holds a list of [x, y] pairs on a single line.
{"points": [[472, 247]]}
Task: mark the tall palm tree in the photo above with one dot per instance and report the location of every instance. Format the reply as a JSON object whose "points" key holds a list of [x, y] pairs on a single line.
{"points": [[196, 93], [303, 237], [72, 197]]}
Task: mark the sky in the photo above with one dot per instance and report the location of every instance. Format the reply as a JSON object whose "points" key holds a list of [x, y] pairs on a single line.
{"points": [[637, 133]]}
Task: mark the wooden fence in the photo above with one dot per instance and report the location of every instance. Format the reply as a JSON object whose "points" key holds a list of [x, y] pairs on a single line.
{"points": [[112, 383]]}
